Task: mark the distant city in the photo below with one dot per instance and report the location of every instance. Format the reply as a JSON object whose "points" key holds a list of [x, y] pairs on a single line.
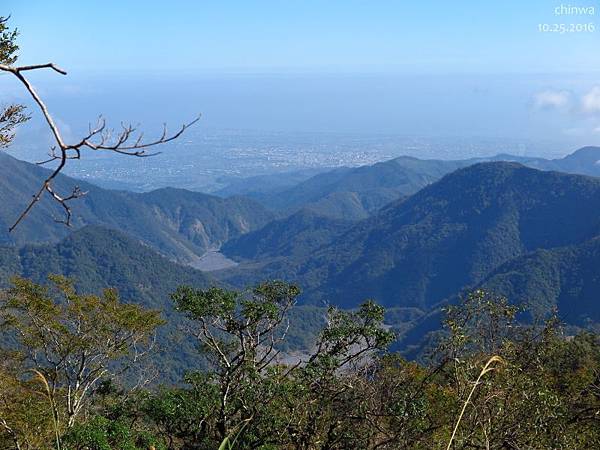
{"points": [[206, 161]]}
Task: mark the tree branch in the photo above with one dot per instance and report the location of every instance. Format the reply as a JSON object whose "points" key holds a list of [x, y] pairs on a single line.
{"points": [[63, 151]]}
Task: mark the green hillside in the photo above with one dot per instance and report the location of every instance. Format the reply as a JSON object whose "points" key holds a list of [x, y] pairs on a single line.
{"points": [[565, 278], [356, 193], [179, 224], [299, 234], [98, 258], [452, 234]]}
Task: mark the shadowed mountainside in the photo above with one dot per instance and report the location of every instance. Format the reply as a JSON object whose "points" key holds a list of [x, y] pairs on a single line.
{"points": [[179, 224], [356, 193], [450, 235]]}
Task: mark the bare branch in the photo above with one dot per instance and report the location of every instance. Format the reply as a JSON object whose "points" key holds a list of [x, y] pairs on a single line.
{"points": [[97, 139], [41, 66]]}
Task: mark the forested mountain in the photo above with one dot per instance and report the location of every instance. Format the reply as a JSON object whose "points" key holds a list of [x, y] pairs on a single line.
{"points": [[179, 224], [362, 189], [356, 193], [98, 258], [450, 235], [565, 278], [299, 234]]}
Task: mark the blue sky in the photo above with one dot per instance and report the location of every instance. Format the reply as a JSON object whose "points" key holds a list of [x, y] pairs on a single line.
{"points": [[423, 67], [420, 36]]}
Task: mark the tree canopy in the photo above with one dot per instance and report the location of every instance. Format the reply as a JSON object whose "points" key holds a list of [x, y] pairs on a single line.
{"points": [[492, 382]]}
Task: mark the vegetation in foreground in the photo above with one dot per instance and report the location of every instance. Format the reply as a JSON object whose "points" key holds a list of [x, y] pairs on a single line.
{"points": [[75, 375]]}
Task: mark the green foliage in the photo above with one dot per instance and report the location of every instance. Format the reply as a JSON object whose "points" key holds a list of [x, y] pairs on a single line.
{"points": [[8, 44], [481, 323], [54, 327], [68, 342], [11, 115], [525, 401], [250, 394], [24, 414], [100, 433], [349, 334], [239, 332], [511, 385]]}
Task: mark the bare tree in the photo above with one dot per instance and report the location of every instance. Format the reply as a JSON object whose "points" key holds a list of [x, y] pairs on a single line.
{"points": [[126, 141]]}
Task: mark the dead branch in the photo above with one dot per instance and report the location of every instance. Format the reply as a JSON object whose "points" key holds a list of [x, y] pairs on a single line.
{"points": [[125, 142]]}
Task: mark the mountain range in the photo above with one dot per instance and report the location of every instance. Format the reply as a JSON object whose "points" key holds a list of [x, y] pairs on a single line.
{"points": [[356, 193], [485, 224], [179, 224], [411, 234]]}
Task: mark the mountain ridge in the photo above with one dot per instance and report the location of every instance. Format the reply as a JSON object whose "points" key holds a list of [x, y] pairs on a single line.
{"points": [[451, 234], [179, 224], [376, 185]]}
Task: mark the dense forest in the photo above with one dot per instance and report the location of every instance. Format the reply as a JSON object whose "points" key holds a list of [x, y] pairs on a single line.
{"points": [[77, 373]]}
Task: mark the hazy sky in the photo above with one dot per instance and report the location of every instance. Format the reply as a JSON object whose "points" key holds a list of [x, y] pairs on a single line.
{"points": [[422, 67], [494, 36]]}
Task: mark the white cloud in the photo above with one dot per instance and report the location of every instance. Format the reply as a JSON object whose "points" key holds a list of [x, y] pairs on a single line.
{"points": [[552, 99], [590, 102]]}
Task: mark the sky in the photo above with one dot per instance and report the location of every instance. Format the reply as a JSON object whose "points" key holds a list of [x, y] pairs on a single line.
{"points": [[399, 36], [422, 67]]}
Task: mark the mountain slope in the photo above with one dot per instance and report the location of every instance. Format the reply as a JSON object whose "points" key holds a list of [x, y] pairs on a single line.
{"points": [[372, 186], [566, 279], [299, 234], [180, 224], [449, 235], [98, 258]]}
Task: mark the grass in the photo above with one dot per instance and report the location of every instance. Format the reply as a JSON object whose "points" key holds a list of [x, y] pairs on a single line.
{"points": [[487, 368], [40, 377]]}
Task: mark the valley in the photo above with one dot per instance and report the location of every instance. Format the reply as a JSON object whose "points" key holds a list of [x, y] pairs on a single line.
{"points": [[411, 234]]}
